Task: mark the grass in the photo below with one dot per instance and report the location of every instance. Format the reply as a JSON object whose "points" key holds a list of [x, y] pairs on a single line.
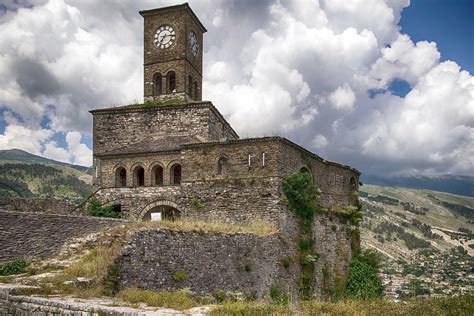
{"points": [[257, 227], [177, 300], [174, 101], [449, 306]]}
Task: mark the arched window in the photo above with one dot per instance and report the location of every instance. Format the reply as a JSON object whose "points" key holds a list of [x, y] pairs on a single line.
{"points": [[352, 184], [139, 176], [157, 89], [171, 81], [222, 165], [175, 174], [120, 177], [306, 170], [196, 91], [157, 174], [190, 86]]}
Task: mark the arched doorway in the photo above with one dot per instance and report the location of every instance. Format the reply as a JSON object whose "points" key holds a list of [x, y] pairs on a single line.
{"points": [[162, 213]]}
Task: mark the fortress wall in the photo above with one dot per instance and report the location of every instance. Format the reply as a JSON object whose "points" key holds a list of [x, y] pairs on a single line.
{"points": [[41, 205], [36, 235], [243, 262], [210, 261], [332, 242]]}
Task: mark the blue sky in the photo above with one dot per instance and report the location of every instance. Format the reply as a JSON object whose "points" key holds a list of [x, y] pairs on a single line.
{"points": [[342, 79], [450, 23]]}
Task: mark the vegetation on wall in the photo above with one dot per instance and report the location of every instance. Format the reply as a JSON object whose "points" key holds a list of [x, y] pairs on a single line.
{"points": [[94, 208], [13, 267], [303, 198], [362, 280]]}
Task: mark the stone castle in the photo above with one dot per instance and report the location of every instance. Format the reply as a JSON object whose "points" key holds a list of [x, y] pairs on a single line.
{"points": [[176, 155]]}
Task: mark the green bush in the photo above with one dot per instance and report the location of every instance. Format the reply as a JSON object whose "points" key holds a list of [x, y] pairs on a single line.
{"points": [[95, 209], [278, 296], [363, 281], [14, 267], [111, 281], [180, 276], [196, 203], [302, 195]]}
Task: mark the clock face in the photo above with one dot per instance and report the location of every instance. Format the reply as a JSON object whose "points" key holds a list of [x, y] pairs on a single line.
{"points": [[164, 36], [193, 44]]}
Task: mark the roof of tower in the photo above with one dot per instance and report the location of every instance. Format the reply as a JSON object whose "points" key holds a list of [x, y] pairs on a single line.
{"points": [[184, 6]]}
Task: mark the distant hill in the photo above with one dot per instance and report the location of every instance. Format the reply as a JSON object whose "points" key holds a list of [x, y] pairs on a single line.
{"points": [[401, 221], [460, 185], [27, 175]]}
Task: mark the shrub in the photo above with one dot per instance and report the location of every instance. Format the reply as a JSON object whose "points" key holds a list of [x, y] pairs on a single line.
{"points": [[302, 195], [362, 281], [248, 268], [95, 209], [180, 276], [14, 267], [111, 281]]}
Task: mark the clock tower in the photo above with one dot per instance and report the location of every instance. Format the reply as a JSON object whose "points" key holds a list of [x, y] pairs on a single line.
{"points": [[173, 38]]}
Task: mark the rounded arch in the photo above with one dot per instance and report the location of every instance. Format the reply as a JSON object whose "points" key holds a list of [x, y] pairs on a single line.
{"points": [[138, 172], [157, 173], [306, 169], [222, 164], [171, 81], [169, 210], [157, 84], [175, 173], [352, 184], [120, 175]]}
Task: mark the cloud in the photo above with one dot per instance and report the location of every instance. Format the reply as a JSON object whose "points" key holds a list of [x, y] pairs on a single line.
{"points": [[302, 69], [343, 98], [75, 152]]}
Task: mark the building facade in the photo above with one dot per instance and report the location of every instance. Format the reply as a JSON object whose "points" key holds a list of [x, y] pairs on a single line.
{"points": [[177, 156]]}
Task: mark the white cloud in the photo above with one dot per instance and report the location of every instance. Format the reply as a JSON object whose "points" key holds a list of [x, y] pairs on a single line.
{"points": [[343, 98], [297, 68]]}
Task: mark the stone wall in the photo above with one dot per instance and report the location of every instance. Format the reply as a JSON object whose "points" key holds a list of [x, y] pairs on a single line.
{"points": [[209, 262], [37, 235], [332, 242], [41, 205], [243, 262]]}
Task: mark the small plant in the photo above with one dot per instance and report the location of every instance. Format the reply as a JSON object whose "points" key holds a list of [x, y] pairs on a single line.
{"points": [[178, 300], [14, 267], [305, 244], [219, 295], [196, 203], [248, 268], [363, 281], [180, 276], [286, 262], [278, 296], [111, 281]]}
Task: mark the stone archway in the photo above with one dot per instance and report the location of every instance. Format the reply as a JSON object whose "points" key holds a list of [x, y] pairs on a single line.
{"points": [[160, 210]]}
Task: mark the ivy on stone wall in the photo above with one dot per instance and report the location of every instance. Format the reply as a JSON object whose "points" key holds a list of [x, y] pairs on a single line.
{"points": [[303, 198]]}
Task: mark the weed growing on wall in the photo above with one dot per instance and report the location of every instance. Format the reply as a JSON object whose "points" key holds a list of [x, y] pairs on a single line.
{"points": [[303, 198], [13, 267], [180, 276], [196, 203]]}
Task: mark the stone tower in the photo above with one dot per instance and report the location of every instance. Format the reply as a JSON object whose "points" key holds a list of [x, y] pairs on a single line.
{"points": [[173, 39]]}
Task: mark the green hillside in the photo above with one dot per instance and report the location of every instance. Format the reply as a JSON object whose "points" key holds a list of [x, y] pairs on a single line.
{"points": [[425, 236], [26, 175]]}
